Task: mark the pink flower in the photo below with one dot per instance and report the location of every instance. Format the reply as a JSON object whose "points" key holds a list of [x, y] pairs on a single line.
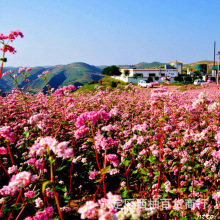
{"points": [[46, 72], [20, 70], [3, 151], [163, 79], [39, 202], [29, 194], [81, 131], [29, 69], [7, 73], [216, 154], [93, 174], [167, 186], [12, 169], [89, 210], [5, 132], [113, 159]]}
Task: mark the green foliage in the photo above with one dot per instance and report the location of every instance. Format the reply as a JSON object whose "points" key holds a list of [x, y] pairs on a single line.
{"points": [[113, 84], [178, 78], [187, 78], [111, 71], [127, 72], [135, 76], [213, 79], [150, 79]]}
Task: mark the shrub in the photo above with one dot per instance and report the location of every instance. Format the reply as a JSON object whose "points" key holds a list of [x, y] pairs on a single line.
{"points": [[127, 72], [178, 78], [113, 84], [150, 79]]}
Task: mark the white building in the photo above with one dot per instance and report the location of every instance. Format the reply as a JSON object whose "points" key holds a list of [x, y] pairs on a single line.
{"points": [[134, 75]]}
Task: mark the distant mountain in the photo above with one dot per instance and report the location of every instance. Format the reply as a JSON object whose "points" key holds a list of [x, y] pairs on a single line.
{"points": [[75, 73], [144, 65]]}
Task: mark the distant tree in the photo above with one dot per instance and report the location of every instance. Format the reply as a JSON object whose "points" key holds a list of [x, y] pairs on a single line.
{"points": [[197, 75], [111, 71], [178, 78], [187, 78], [135, 76], [213, 79], [113, 84], [156, 78], [127, 72], [150, 79]]}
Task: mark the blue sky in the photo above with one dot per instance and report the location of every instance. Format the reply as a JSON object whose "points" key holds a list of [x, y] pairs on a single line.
{"points": [[107, 32]]}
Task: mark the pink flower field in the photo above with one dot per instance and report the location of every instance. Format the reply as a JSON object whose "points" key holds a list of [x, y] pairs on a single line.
{"points": [[114, 154], [123, 153]]}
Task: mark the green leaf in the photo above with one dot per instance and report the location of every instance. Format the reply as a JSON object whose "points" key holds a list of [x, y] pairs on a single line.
{"points": [[60, 168], [126, 163], [105, 170], [190, 188], [151, 159], [26, 134], [182, 189], [61, 187], [202, 190]]}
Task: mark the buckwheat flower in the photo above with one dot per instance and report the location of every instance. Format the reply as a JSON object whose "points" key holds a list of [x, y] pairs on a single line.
{"points": [[28, 218], [76, 159], [93, 174], [5, 132], [123, 183], [49, 211], [29, 194], [113, 171], [46, 72], [88, 210], [29, 69], [178, 204], [216, 154], [81, 131], [217, 138], [140, 140], [40, 76], [65, 209], [39, 202], [113, 159], [84, 160], [13, 169], [20, 70], [3, 151]]}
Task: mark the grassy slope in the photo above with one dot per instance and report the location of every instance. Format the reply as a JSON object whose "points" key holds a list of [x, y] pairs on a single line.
{"points": [[74, 73]]}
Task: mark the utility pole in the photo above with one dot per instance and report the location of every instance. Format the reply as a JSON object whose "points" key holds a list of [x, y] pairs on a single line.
{"points": [[218, 64]]}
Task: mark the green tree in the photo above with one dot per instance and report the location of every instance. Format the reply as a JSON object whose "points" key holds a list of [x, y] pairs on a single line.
{"points": [[156, 78], [187, 78], [178, 78], [111, 71], [127, 72]]}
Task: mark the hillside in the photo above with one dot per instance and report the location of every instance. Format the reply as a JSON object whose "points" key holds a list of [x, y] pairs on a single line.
{"points": [[144, 65], [75, 73]]}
